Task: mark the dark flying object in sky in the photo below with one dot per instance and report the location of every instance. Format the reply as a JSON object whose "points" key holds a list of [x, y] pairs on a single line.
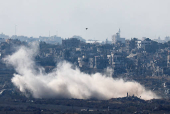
{"points": [[86, 28]]}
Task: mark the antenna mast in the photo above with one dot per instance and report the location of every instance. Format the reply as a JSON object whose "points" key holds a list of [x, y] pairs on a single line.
{"points": [[15, 30]]}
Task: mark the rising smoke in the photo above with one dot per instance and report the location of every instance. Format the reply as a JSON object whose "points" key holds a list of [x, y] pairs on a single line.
{"points": [[66, 82]]}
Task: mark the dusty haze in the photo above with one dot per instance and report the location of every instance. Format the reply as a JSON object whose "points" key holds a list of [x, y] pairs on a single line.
{"points": [[67, 82], [135, 18]]}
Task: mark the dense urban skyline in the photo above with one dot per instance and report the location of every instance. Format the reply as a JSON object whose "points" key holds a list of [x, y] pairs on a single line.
{"points": [[102, 18]]}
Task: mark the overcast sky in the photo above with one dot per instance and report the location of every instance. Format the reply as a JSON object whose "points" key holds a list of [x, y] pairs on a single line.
{"points": [[103, 18]]}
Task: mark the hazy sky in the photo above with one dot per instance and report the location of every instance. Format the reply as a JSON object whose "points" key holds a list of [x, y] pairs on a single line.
{"points": [[135, 18]]}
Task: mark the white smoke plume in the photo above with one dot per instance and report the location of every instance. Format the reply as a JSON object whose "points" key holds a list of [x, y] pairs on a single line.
{"points": [[66, 82]]}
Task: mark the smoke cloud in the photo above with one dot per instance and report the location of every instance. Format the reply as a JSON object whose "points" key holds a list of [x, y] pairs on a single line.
{"points": [[67, 82]]}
